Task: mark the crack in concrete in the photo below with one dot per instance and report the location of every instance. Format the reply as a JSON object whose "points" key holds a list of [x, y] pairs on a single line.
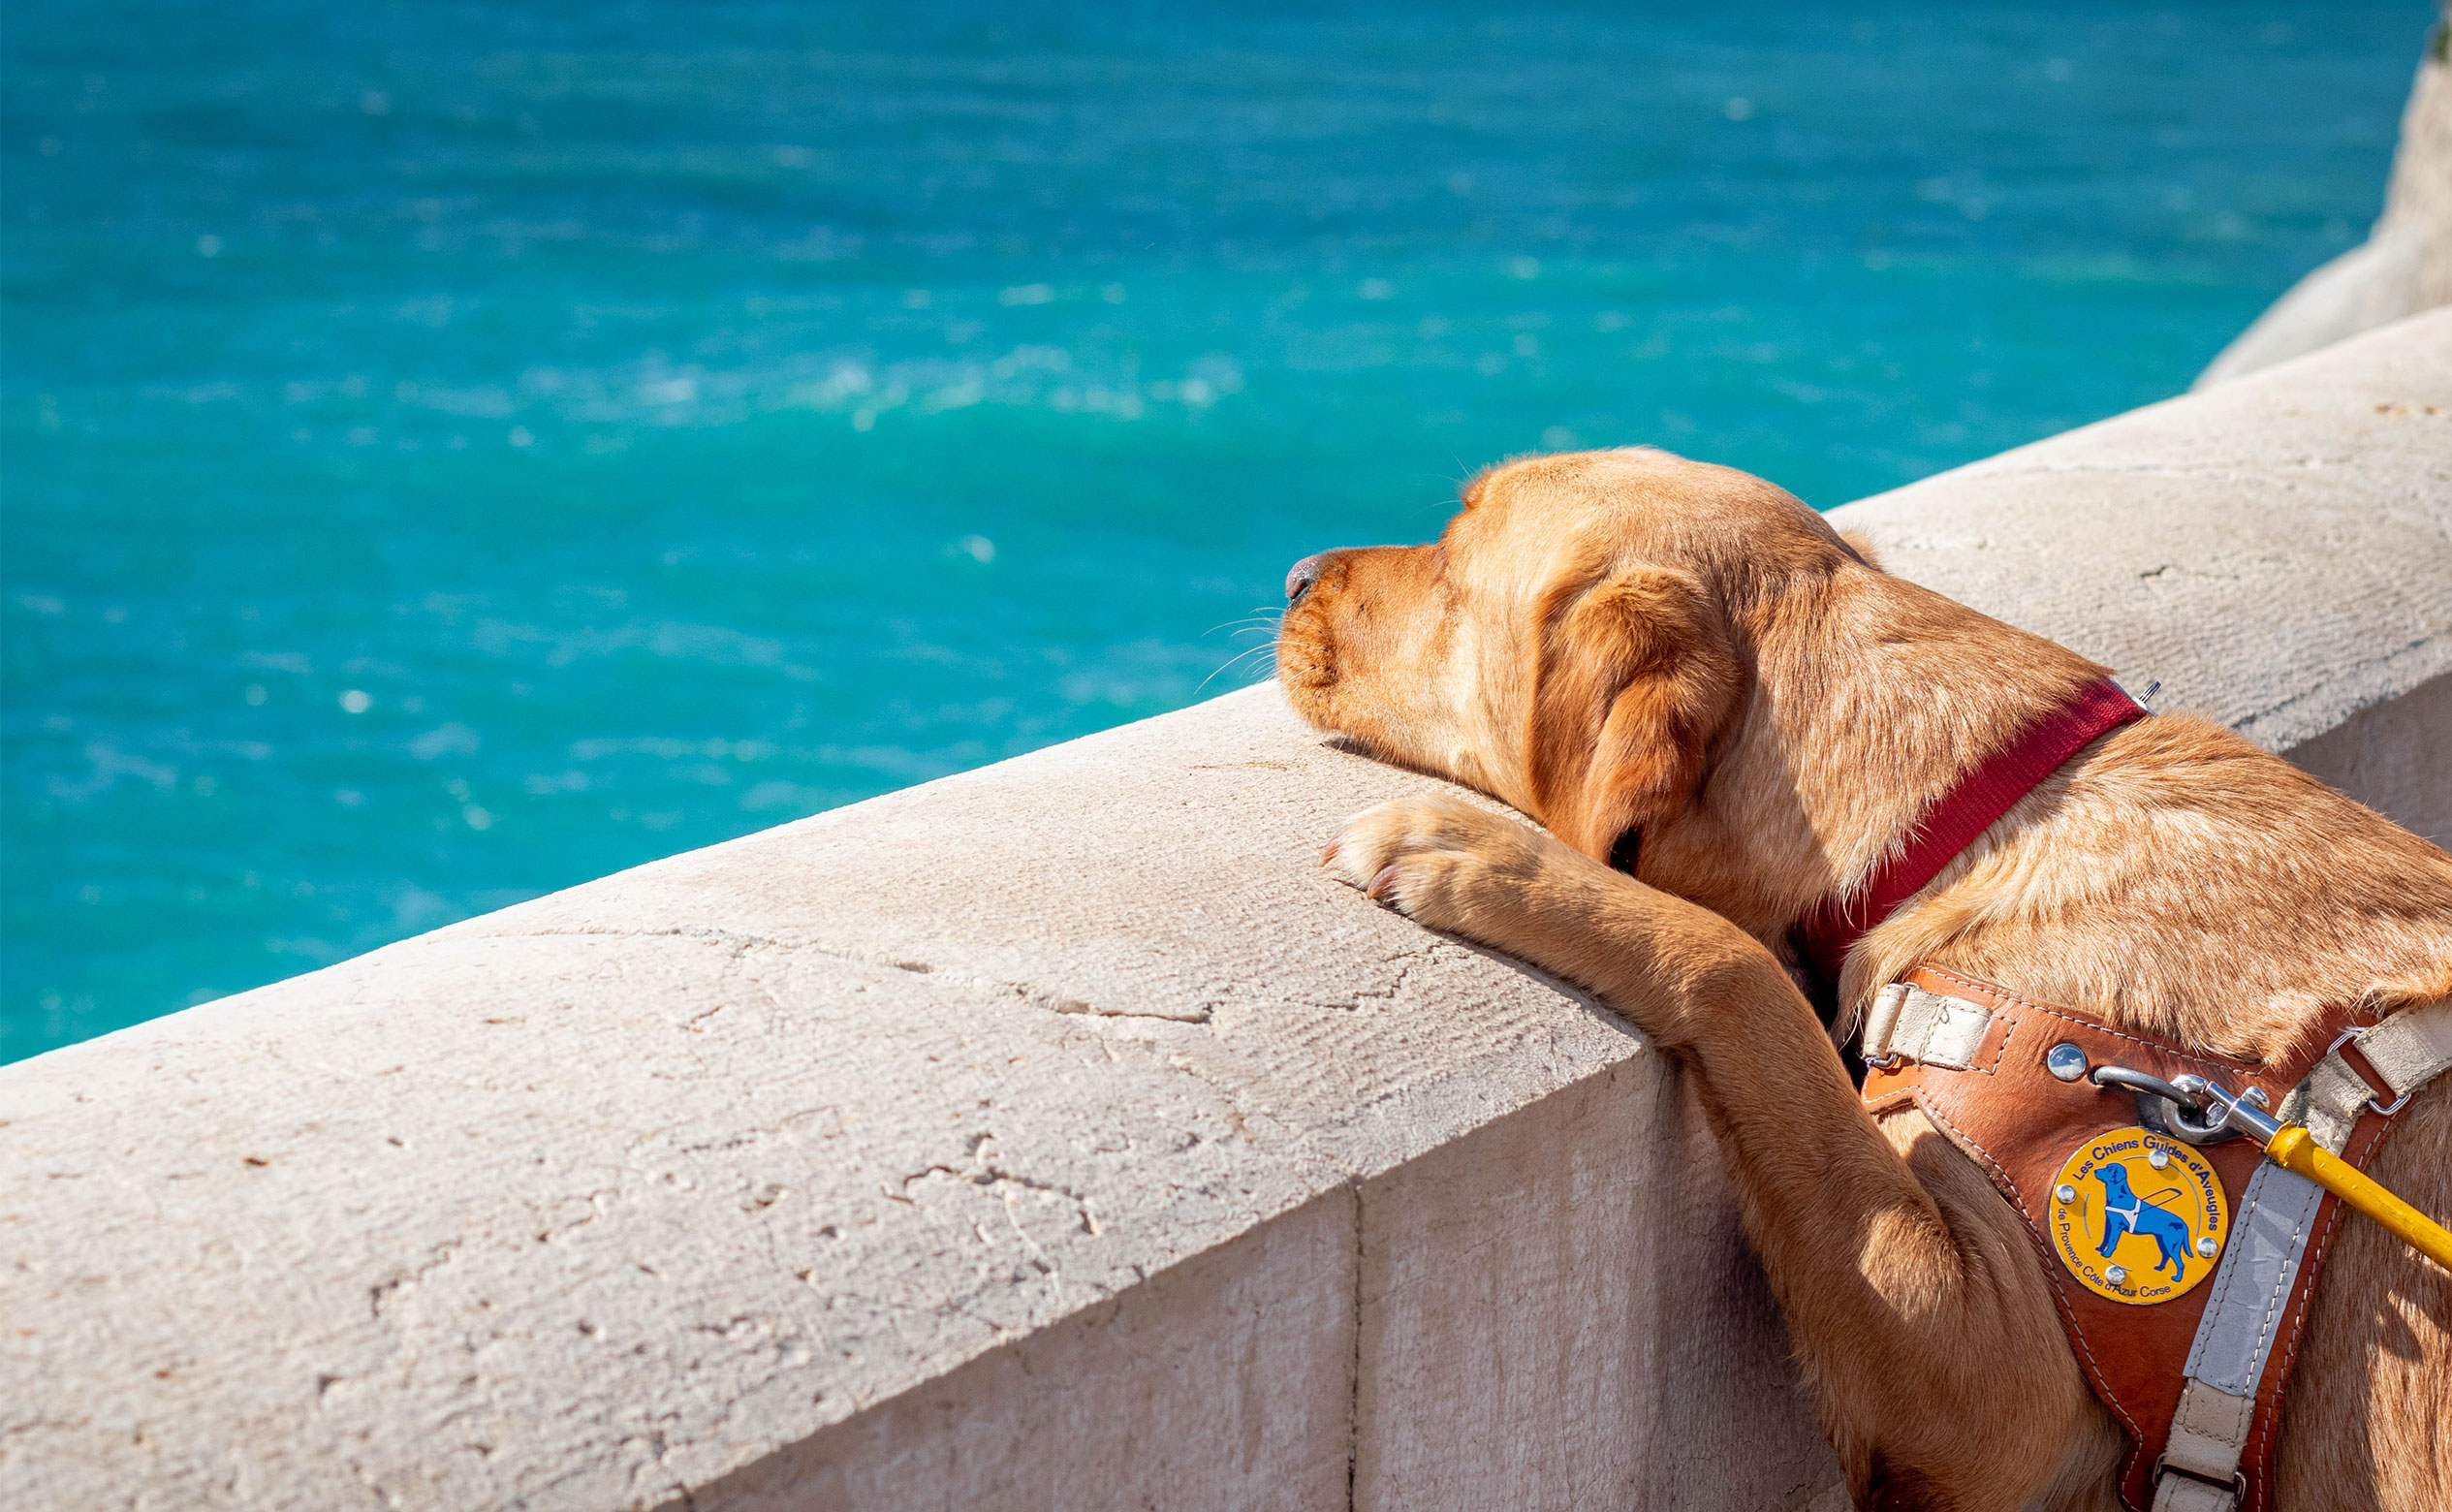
{"points": [[993, 1176], [40, 1424], [598, 1200], [1354, 1363], [1352, 1001], [2248, 722], [1200, 1014], [1037, 996], [379, 1295], [990, 1177]]}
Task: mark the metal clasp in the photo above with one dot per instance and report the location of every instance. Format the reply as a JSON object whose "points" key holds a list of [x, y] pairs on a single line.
{"points": [[2192, 1108]]}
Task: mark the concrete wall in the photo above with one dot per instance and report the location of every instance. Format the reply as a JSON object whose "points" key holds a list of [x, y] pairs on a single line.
{"points": [[1057, 1135]]}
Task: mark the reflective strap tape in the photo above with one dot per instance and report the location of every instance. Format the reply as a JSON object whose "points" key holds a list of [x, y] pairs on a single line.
{"points": [[2235, 1339], [2276, 1215], [2408, 1050], [2261, 1259], [1910, 1023]]}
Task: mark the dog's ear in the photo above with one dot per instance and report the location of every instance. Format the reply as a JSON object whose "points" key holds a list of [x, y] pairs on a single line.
{"points": [[1634, 679]]}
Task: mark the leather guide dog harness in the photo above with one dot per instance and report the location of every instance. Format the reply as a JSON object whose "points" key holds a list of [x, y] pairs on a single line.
{"points": [[2186, 1326], [2182, 1259]]}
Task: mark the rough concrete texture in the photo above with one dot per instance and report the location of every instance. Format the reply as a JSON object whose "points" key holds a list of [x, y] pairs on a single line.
{"points": [[629, 1195], [2277, 551], [1557, 1312], [1058, 1135], [1226, 1381], [2404, 267]]}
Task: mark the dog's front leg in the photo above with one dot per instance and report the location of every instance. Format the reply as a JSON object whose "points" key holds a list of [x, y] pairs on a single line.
{"points": [[1918, 1309]]}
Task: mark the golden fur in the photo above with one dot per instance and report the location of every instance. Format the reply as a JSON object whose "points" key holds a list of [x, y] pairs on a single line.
{"points": [[1627, 643]]}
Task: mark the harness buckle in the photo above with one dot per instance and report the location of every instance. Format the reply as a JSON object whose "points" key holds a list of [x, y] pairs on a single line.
{"points": [[2238, 1477], [2350, 1036]]}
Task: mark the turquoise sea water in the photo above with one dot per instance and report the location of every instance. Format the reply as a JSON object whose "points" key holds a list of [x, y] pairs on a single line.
{"points": [[449, 452]]}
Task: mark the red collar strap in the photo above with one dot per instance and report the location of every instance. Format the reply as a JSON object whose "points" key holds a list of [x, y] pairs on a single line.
{"points": [[1988, 791]]}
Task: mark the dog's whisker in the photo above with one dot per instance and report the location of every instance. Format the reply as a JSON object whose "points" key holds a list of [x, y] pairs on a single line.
{"points": [[1247, 620], [1249, 653], [1230, 662], [1254, 621]]}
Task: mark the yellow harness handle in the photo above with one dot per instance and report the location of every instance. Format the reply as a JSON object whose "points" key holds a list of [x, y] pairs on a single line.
{"points": [[2294, 1148]]}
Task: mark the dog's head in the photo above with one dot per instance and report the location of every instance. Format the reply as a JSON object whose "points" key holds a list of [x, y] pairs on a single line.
{"points": [[1581, 642]]}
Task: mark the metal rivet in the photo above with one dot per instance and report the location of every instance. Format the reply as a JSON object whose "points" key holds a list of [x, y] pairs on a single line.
{"points": [[2117, 1274], [2205, 1246], [2158, 1157], [2065, 1061], [2065, 1192]]}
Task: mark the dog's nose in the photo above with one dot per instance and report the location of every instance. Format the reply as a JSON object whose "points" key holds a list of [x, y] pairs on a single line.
{"points": [[1305, 573]]}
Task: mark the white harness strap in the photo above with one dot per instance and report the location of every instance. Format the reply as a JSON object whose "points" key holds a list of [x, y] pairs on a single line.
{"points": [[2408, 1050], [2206, 1433], [1910, 1023], [2234, 1341], [2276, 1216]]}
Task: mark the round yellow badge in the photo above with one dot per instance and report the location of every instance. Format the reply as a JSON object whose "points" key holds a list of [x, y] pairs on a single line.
{"points": [[2138, 1217]]}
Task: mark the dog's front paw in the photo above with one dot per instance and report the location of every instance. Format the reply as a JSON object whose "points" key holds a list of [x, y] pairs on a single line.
{"points": [[1440, 860]]}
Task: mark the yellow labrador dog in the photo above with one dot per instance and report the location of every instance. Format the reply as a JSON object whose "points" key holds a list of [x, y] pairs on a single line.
{"points": [[1682, 667]]}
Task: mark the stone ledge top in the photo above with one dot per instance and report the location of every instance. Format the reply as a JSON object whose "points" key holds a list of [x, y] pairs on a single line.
{"points": [[611, 1193]]}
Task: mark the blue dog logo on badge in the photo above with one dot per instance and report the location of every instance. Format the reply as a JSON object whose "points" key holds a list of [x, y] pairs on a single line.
{"points": [[2137, 1216], [2125, 1212]]}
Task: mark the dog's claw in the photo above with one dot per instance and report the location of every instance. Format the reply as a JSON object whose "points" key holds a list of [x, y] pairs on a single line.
{"points": [[1328, 857], [1381, 884]]}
